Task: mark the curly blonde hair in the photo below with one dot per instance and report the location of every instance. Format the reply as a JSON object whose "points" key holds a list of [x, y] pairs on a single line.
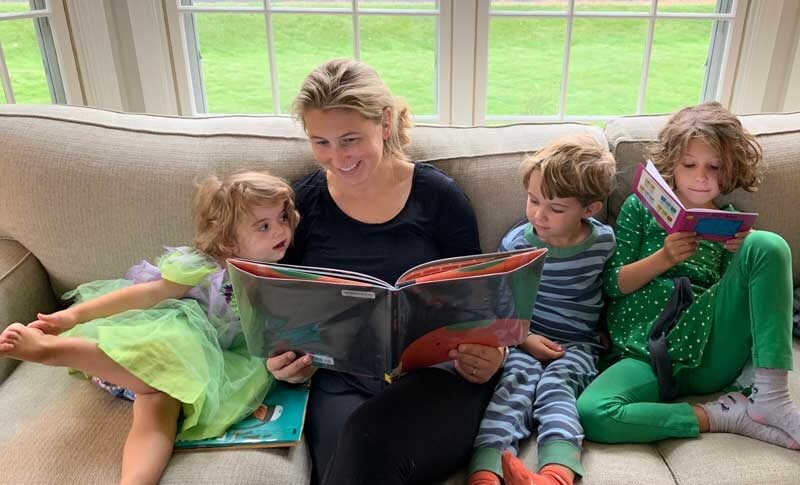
{"points": [[739, 152], [219, 204], [352, 85], [573, 166]]}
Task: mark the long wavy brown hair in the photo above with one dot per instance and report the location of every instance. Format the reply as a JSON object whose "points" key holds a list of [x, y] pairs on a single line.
{"points": [[739, 152]]}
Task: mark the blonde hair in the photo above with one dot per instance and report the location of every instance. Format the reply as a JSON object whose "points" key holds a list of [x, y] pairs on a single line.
{"points": [[219, 204], [573, 166], [352, 85], [722, 132]]}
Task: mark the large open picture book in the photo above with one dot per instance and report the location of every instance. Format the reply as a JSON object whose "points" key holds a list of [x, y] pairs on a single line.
{"points": [[358, 324]]}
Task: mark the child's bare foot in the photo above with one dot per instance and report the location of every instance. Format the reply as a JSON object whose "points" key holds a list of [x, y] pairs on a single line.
{"points": [[54, 323], [25, 343]]}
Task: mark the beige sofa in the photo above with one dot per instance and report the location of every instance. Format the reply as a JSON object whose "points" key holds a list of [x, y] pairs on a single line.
{"points": [[86, 193]]}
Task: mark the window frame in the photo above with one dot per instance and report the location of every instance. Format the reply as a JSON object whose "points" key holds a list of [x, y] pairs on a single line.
{"points": [[462, 54], [720, 71], [185, 45], [55, 47]]}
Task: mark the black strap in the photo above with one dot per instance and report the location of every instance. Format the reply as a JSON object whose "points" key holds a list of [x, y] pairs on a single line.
{"points": [[680, 300]]}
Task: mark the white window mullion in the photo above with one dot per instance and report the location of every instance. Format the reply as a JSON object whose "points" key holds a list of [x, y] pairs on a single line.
{"points": [[152, 57], [273, 66], [562, 99], [5, 77], [356, 33], [91, 36], [648, 49], [178, 38], [470, 61], [62, 41], [444, 42]]}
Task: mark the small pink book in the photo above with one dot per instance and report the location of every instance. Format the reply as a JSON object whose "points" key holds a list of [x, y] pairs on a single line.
{"points": [[711, 224]]}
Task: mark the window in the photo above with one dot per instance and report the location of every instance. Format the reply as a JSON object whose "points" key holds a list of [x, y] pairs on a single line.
{"points": [[36, 61], [463, 61], [596, 59], [251, 57]]}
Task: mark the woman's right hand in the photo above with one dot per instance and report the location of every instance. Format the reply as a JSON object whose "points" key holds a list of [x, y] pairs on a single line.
{"points": [[680, 246], [55, 323], [288, 367]]}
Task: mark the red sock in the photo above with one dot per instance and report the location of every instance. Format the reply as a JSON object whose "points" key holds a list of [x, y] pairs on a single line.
{"points": [[483, 477], [515, 473]]}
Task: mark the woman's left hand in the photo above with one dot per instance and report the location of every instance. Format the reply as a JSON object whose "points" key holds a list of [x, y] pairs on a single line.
{"points": [[733, 244], [477, 363]]}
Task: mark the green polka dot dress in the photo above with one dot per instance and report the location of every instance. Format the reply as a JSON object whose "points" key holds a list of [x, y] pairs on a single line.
{"points": [[630, 317]]}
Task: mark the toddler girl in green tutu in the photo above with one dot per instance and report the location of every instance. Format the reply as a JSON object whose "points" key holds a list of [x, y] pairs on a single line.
{"points": [[168, 333]]}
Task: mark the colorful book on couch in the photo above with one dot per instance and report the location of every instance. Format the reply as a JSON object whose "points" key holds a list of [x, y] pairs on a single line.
{"points": [[358, 324], [277, 422], [712, 224]]}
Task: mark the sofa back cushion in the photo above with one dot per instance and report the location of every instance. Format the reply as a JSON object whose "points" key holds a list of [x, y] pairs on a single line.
{"points": [[777, 201], [91, 192]]}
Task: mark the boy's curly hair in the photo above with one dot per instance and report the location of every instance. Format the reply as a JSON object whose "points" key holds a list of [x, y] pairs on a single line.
{"points": [[738, 150], [219, 204], [573, 166]]}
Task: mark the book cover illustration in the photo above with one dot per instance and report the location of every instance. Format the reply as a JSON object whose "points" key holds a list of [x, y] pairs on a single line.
{"points": [[277, 422], [358, 324], [659, 198]]}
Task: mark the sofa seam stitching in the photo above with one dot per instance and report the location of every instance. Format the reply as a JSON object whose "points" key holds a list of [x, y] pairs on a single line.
{"points": [[666, 463], [15, 266]]}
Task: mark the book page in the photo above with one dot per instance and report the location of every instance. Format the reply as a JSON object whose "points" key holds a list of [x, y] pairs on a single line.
{"points": [[465, 267], [658, 195]]}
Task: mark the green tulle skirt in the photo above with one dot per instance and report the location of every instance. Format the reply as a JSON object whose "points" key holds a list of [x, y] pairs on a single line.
{"points": [[173, 347]]}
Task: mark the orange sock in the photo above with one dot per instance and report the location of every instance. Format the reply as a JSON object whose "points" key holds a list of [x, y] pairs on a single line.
{"points": [[483, 477], [515, 473]]}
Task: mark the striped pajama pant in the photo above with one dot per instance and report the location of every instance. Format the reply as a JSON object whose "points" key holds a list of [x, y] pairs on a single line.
{"points": [[529, 392]]}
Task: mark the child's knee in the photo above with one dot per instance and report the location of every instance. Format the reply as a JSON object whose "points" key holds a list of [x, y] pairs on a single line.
{"points": [[769, 243], [597, 415]]}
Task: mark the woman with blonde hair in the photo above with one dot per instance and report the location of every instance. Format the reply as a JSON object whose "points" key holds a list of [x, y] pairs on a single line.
{"points": [[369, 209]]}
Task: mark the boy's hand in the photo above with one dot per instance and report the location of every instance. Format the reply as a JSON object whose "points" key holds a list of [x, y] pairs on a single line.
{"points": [[288, 368], [477, 363], [542, 348], [55, 323], [679, 246], [733, 243]]}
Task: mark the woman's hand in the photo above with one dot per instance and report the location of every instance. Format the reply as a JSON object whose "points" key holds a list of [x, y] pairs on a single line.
{"points": [[679, 246], [288, 368], [55, 323], [542, 348], [477, 363], [733, 244]]}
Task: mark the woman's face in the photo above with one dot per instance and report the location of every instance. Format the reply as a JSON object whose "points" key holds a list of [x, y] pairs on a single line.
{"points": [[346, 143]]}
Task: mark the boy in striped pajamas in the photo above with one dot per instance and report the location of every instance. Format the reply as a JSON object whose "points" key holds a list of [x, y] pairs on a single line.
{"points": [[567, 182]]}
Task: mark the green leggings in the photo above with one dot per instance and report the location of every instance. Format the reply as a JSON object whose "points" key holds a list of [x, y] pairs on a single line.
{"points": [[752, 317]]}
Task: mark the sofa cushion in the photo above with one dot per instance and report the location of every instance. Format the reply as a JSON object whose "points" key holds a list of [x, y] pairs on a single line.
{"points": [[85, 428], [776, 200]]}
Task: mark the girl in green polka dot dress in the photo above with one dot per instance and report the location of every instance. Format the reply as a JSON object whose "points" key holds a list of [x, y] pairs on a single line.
{"points": [[741, 307], [169, 334]]}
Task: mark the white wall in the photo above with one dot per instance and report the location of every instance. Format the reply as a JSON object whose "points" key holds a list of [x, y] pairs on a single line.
{"points": [[768, 71]]}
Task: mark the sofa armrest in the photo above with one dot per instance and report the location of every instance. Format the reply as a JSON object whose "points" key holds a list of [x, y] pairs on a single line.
{"points": [[24, 291]]}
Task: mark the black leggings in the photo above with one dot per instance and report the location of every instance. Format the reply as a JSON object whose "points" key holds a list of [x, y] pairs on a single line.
{"points": [[419, 429]]}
